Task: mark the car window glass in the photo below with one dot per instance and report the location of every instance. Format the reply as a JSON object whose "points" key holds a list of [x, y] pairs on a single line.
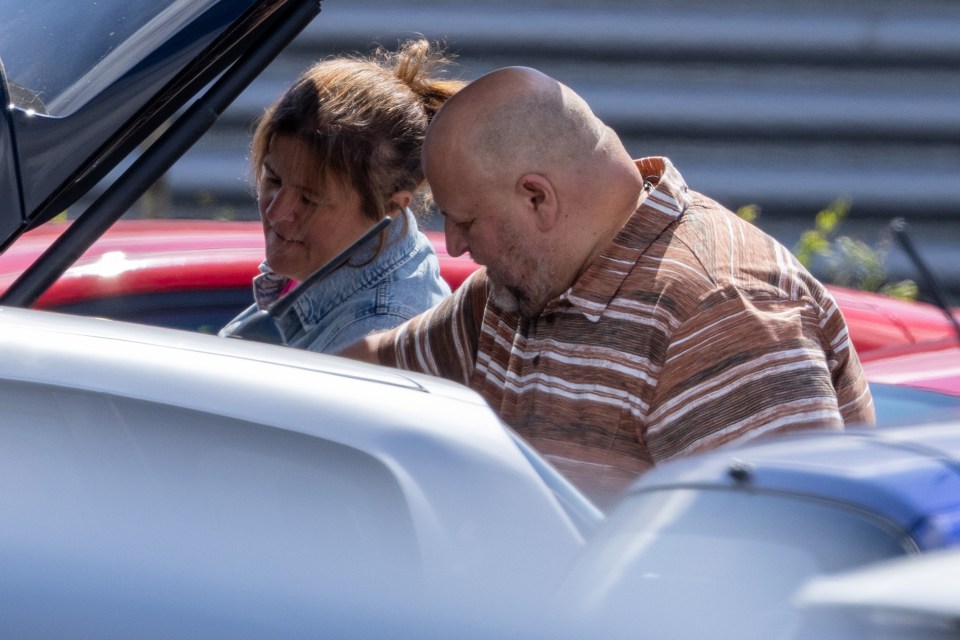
{"points": [[142, 489], [48, 77], [733, 553]]}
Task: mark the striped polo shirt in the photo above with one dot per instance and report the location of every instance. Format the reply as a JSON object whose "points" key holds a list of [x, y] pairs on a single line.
{"points": [[692, 329]]}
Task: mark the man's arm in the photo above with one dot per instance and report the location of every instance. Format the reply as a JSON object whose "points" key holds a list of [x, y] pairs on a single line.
{"points": [[366, 349], [441, 341]]}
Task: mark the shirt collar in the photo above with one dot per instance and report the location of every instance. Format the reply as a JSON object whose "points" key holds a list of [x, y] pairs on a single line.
{"points": [[665, 203]]}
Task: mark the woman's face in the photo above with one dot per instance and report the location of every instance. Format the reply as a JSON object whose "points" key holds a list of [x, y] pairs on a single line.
{"points": [[306, 221]]}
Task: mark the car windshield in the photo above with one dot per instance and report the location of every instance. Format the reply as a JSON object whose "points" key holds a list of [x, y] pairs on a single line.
{"points": [[44, 76]]}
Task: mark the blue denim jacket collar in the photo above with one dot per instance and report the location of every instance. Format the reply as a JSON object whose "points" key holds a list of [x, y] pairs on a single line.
{"points": [[360, 272], [346, 281]]}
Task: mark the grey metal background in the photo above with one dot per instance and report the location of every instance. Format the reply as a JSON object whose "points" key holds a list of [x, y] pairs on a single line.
{"points": [[785, 105]]}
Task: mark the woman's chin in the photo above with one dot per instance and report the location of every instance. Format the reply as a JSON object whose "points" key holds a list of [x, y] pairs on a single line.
{"points": [[282, 264]]}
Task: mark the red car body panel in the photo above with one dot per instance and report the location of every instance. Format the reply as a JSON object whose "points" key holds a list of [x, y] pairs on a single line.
{"points": [[934, 366], [136, 257], [880, 324], [158, 256], [908, 344], [897, 341]]}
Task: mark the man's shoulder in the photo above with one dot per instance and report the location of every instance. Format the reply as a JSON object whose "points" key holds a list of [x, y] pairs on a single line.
{"points": [[709, 253], [704, 215]]}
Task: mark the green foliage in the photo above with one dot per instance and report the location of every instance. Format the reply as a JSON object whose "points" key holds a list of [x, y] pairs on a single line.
{"points": [[818, 241], [843, 260], [749, 212]]}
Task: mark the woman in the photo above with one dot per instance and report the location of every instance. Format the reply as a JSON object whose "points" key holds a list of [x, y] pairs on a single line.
{"points": [[337, 152]]}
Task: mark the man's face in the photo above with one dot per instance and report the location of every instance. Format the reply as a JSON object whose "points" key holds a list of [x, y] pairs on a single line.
{"points": [[499, 234]]}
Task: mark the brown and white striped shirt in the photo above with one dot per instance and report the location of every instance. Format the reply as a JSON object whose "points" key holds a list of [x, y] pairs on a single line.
{"points": [[692, 329]]}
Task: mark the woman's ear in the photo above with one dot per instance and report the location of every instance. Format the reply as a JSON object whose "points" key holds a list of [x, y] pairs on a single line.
{"points": [[399, 201], [540, 199]]}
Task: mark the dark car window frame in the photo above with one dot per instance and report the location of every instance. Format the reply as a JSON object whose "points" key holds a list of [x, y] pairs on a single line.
{"points": [[202, 310]]}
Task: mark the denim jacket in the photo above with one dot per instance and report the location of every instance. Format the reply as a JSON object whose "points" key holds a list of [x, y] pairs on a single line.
{"points": [[360, 297]]}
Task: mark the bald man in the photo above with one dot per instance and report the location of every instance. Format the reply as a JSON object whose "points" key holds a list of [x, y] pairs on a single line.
{"points": [[621, 319]]}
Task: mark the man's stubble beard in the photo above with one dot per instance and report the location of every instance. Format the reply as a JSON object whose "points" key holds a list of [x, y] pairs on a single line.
{"points": [[528, 292], [529, 298]]}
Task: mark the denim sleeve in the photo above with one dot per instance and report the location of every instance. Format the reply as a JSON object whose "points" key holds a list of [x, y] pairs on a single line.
{"points": [[349, 328]]}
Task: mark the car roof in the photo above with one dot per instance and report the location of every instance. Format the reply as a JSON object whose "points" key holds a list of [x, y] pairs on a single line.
{"points": [[93, 341], [907, 474]]}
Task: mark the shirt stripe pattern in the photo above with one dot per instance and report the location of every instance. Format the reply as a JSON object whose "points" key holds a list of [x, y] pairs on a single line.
{"points": [[692, 329]]}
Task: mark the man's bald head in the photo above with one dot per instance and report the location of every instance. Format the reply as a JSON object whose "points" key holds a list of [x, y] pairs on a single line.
{"points": [[529, 181], [517, 119]]}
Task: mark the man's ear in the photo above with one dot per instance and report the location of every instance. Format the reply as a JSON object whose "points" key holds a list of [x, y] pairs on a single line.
{"points": [[541, 199]]}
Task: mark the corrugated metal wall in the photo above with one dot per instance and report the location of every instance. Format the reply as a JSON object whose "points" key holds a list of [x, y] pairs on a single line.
{"points": [[784, 105]]}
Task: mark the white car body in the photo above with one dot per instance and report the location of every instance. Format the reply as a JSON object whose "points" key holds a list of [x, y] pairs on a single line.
{"points": [[169, 457]]}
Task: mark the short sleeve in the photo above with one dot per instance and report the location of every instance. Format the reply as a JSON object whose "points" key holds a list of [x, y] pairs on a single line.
{"points": [[740, 369], [443, 340]]}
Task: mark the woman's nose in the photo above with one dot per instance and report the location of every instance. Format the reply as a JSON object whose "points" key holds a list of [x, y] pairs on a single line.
{"points": [[279, 205]]}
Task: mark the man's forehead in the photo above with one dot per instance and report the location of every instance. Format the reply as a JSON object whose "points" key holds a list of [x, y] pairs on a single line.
{"points": [[447, 187]]}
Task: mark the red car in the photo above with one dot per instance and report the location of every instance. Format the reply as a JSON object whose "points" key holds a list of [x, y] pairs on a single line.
{"points": [[189, 274], [881, 325], [918, 384], [911, 354], [195, 274], [934, 366]]}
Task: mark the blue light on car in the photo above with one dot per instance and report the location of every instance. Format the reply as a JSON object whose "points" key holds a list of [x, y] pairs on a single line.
{"points": [[938, 530]]}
